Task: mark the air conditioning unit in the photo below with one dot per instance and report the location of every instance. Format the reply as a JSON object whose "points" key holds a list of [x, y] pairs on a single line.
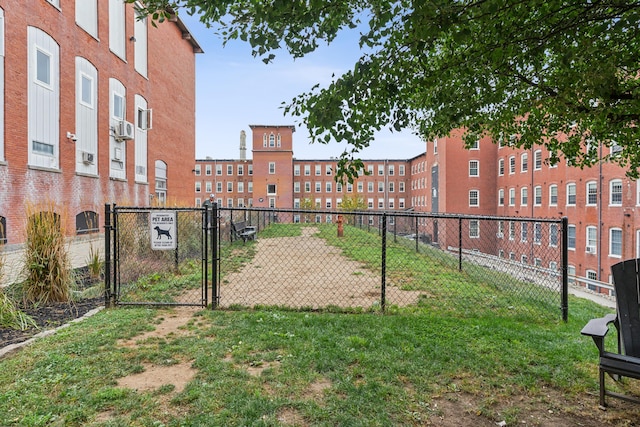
{"points": [[125, 130], [499, 235], [87, 158], [591, 250]]}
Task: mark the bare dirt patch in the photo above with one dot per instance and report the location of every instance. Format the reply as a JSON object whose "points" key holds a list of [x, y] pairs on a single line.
{"points": [[156, 376], [304, 271]]}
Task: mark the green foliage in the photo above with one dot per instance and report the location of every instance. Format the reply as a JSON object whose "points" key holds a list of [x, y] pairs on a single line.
{"points": [[95, 263], [11, 316], [548, 72], [47, 267]]}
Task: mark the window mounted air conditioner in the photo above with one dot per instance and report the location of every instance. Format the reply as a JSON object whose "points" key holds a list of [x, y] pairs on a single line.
{"points": [[591, 250], [87, 158], [125, 130]]}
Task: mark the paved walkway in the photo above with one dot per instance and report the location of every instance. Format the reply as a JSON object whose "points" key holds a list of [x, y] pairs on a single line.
{"points": [[79, 254]]}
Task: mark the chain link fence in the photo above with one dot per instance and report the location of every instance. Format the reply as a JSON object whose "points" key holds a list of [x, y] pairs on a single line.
{"points": [[379, 261], [155, 256]]}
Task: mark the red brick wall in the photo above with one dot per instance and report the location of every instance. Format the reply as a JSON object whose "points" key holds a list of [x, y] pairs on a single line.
{"points": [[169, 91]]}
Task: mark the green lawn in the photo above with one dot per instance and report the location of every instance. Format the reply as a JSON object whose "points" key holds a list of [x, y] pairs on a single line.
{"points": [[276, 367]]}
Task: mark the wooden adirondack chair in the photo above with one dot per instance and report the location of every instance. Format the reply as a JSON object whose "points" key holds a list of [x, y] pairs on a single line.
{"points": [[626, 362]]}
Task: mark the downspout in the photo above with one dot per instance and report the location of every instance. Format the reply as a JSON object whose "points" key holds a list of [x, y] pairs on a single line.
{"points": [[600, 178]]}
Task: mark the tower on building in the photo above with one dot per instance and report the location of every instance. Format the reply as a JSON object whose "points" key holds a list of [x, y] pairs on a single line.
{"points": [[243, 145]]}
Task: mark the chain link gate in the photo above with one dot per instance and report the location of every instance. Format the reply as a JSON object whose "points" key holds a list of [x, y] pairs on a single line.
{"points": [[158, 256]]}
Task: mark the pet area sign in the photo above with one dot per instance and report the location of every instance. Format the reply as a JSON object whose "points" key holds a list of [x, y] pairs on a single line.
{"points": [[163, 230]]}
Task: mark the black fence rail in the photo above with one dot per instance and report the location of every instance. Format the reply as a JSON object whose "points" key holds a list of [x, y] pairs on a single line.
{"points": [[309, 259], [156, 256]]}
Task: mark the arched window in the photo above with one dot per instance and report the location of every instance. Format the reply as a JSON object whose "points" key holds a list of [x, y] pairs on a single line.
{"points": [[87, 222], [3, 230]]}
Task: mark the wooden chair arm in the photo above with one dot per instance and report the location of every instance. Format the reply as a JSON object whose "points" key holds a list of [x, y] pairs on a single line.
{"points": [[598, 328]]}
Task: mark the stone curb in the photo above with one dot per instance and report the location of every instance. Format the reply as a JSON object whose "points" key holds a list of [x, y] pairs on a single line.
{"points": [[13, 347]]}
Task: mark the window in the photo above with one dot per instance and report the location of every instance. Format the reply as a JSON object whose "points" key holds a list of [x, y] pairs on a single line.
{"points": [[524, 196], [218, 169], [250, 170], [360, 187], [474, 168], [370, 187], [537, 159], [229, 187], [524, 162], [553, 235], [86, 222], [296, 170], [512, 197], [592, 193], [240, 186], [553, 195], [43, 67], [401, 186], [198, 186], [272, 168], [327, 170], [318, 170], [272, 140], [307, 170], [218, 187], [537, 233], [500, 233], [615, 242], [474, 196], [512, 230], [197, 170], [512, 165], [524, 231], [391, 170], [380, 186], [380, 203], [615, 192], [240, 170], [571, 194], [328, 187], [537, 194], [296, 187], [271, 189], [370, 169], [208, 187], [474, 229], [307, 187], [229, 170], [501, 167], [571, 272], [318, 187], [401, 170], [207, 170], [392, 187], [592, 239]]}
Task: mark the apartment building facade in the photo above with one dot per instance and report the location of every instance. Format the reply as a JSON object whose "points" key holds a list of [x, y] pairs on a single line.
{"points": [[486, 179], [97, 107]]}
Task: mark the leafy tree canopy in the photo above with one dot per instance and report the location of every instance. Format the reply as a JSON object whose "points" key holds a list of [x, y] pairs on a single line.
{"points": [[560, 73]]}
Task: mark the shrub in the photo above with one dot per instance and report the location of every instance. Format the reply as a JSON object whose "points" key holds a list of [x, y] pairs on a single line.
{"points": [[48, 273]]}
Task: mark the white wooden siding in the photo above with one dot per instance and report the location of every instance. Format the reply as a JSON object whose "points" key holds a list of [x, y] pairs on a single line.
{"points": [[87, 16], [140, 48], [44, 100], [141, 139], [86, 130], [117, 28], [117, 149]]}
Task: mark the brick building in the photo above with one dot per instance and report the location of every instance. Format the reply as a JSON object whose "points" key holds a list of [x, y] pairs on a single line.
{"points": [[97, 107], [488, 179]]}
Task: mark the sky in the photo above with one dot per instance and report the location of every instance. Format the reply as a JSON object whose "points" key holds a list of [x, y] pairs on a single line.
{"points": [[235, 90]]}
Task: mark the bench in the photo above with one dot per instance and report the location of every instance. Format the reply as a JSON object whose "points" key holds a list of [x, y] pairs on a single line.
{"points": [[625, 362], [240, 230]]}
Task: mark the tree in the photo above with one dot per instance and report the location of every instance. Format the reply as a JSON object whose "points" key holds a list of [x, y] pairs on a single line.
{"points": [[559, 73]]}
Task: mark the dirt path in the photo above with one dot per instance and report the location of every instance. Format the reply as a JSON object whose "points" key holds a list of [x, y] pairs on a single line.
{"points": [[304, 271]]}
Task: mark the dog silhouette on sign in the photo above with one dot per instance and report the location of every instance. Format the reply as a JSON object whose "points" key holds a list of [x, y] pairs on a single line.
{"points": [[162, 232]]}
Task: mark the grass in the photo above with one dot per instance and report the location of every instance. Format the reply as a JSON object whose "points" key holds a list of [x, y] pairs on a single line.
{"points": [[315, 368], [377, 370]]}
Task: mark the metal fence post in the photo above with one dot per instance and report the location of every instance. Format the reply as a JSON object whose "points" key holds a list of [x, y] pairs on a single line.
{"points": [[205, 252], [416, 234], [107, 255], [565, 269], [215, 297], [460, 244], [383, 289]]}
